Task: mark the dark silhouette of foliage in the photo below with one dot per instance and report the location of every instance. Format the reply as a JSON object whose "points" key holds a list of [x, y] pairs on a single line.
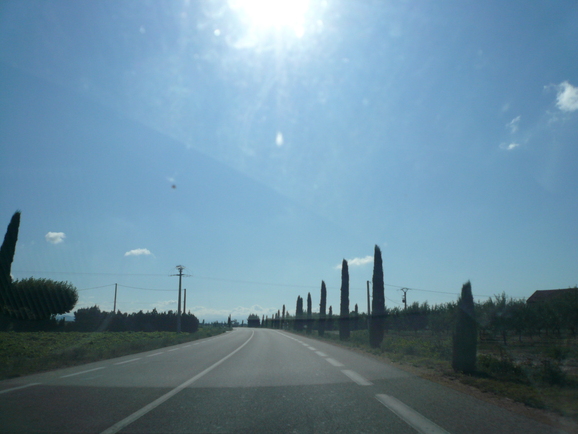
{"points": [[298, 324], [465, 338], [253, 320], [344, 309], [322, 310], [309, 312], [283, 318], [93, 319], [40, 299], [229, 324], [329, 322], [377, 324], [354, 321], [7, 252]]}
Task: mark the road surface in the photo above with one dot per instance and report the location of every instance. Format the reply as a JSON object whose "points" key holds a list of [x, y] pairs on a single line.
{"points": [[246, 381]]}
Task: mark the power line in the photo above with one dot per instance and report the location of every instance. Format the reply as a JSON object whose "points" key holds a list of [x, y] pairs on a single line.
{"points": [[222, 279], [147, 289], [96, 287], [89, 274]]}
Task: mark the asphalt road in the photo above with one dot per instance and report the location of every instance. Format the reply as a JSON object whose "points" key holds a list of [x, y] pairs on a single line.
{"points": [[246, 381]]}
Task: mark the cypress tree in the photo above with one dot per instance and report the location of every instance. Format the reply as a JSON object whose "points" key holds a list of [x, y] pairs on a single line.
{"points": [[283, 318], [329, 322], [344, 310], [309, 320], [7, 252], [322, 306], [378, 303], [298, 323], [465, 338]]}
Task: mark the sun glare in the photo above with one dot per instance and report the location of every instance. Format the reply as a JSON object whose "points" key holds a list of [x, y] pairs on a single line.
{"points": [[274, 13]]}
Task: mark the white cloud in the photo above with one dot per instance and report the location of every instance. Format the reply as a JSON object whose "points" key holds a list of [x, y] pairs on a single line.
{"points": [[162, 305], [355, 262], [567, 98], [513, 124], [137, 252], [55, 237], [509, 146]]}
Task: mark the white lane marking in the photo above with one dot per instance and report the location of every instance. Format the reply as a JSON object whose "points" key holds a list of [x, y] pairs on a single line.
{"points": [[140, 413], [319, 353], [174, 349], [82, 372], [128, 361], [19, 387], [356, 377], [334, 362], [313, 349], [155, 354], [414, 419]]}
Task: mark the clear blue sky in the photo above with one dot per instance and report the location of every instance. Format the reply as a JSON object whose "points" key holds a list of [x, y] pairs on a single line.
{"points": [[259, 149]]}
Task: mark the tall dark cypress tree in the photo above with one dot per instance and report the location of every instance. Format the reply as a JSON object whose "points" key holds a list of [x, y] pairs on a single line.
{"points": [[378, 303], [344, 310], [309, 315], [322, 309], [329, 322], [7, 252], [298, 323], [465, 338], [283, 318]]}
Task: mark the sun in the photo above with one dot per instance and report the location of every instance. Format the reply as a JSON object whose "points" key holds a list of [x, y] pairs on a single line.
{"points": [[274, 13]]}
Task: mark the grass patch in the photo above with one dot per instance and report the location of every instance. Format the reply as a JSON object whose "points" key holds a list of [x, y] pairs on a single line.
{"points": [[23, 353]]}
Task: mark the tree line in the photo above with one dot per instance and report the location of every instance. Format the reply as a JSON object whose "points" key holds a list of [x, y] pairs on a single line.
{"points": [[93, 319]]}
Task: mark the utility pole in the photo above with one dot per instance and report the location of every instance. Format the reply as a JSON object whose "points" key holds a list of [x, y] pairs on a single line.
{"points": [[115, 288], [185, 302], [180, 268], [404, 297], [368, 306]]}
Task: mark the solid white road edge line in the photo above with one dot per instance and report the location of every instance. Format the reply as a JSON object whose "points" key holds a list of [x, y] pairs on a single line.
{"points": [[140, 413], [82, 372], [19, 387], [414, 419], [319, 353], [127, 361], [356, 377]]}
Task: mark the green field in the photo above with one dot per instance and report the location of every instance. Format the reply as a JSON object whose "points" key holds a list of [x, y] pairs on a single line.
{"points": [[23, 353]]}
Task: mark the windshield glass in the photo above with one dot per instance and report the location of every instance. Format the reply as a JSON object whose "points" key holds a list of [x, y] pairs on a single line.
{"points": [[258, 144]]}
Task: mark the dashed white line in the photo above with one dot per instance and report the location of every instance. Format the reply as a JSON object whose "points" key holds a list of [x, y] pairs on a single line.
{"points": [[174, 349], [319, 353], [414, 419], [82, 372], [128, 361], [19, 387], [334, 362], [356, 377], [313, 349], [155, 354]]}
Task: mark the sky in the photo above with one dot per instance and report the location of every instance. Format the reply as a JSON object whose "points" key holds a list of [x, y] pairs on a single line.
{"points": [[260, 146]]}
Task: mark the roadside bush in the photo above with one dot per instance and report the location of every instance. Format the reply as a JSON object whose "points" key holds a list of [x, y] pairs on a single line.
{"points": [[503, 368]]}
